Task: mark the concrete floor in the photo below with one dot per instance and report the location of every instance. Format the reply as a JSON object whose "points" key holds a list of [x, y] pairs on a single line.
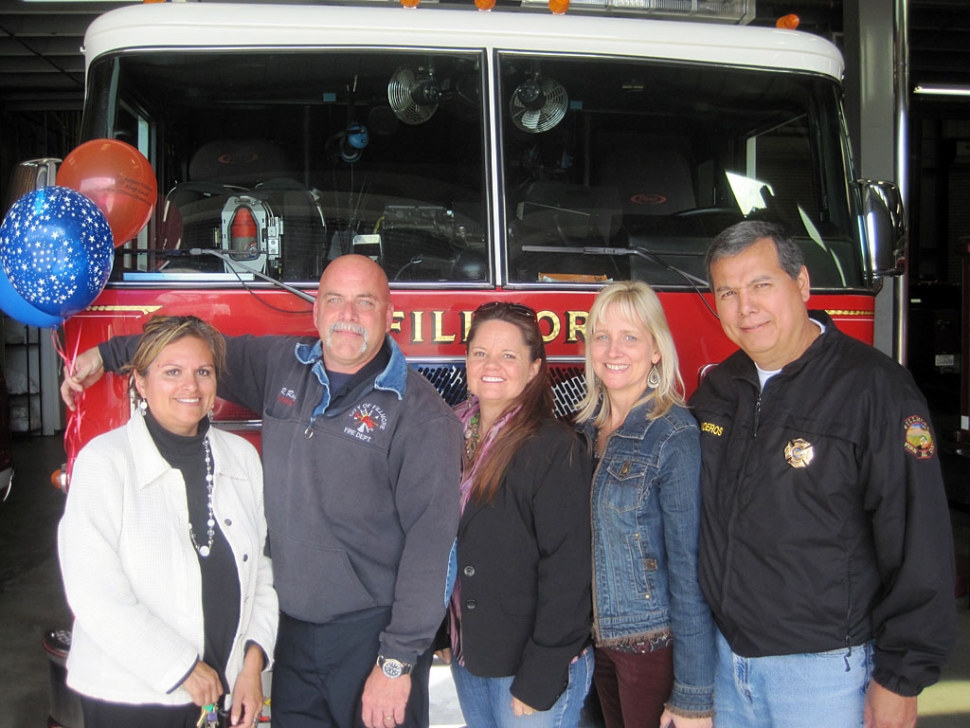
{"points": [[32, 602]]}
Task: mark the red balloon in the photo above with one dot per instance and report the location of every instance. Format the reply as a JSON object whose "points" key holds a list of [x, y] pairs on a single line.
{"points": [[118, 179]]}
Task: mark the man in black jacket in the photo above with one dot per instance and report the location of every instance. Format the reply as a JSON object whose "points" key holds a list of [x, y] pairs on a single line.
{"points": [[826, 551]]}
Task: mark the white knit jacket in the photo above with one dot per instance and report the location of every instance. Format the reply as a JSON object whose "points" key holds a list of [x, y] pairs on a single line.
{"points": [[132, 576]]}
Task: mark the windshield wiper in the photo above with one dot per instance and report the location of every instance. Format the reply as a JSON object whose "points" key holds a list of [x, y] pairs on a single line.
{"points": [[234, 263], [691, 279]]}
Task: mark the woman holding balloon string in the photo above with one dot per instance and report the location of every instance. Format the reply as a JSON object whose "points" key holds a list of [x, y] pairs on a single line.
{"points": [[161, 549]]}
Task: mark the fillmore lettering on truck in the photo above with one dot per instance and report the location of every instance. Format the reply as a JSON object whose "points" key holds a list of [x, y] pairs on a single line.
{"points": [[448, 327]]}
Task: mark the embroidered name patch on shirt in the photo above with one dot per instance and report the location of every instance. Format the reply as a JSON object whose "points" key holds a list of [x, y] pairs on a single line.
{"points": [[711, 428], [286, 396], [919, 438]]}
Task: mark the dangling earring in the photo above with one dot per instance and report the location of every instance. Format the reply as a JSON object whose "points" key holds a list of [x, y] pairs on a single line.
{"points": [[653, 378], [143, 406]]}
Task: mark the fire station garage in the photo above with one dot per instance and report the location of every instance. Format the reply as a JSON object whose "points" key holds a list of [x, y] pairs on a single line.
{"points": [[520, 192]]}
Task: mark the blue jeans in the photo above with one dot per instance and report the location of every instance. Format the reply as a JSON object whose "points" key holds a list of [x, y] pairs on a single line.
{"points": [[486, 702], [819, 690]]}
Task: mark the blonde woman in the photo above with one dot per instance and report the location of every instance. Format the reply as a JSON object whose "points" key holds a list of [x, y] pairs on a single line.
{"points": [[652, 629]]}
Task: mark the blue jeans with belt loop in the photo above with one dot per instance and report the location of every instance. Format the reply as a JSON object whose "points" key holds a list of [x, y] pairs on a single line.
{"points": [[486, 702], [814, 690]]}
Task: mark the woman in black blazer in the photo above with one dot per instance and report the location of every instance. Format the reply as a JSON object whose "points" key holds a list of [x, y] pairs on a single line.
{"points": [[520, 613]]}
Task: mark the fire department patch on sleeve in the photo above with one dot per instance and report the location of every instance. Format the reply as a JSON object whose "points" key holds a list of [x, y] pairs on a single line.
{"points": [[919, 438]]}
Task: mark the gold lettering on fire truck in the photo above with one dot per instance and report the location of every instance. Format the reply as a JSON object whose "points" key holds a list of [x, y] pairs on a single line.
{"points": [[440, 337], [417, 327], [442, 327], [555, 326], [575, 326]]}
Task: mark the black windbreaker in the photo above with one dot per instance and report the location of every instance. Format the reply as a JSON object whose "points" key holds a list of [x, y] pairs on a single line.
{"points": [[825, 520]]}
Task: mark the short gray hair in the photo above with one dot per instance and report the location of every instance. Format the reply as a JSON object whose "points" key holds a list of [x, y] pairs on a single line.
{"points": [[741, 236]]}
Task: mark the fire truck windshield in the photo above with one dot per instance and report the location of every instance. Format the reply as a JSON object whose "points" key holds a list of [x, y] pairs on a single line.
{"points": [[279, 160]]}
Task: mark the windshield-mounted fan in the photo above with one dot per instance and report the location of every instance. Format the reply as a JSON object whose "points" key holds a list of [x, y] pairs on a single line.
{"points": [[413, 96], [538, 104]]}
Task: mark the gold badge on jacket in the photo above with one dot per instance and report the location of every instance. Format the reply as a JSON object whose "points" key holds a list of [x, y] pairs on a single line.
{"points": [[799, 453]]}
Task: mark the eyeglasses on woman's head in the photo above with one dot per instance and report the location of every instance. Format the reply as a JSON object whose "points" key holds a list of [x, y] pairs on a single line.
{"points": [[516, 309]]}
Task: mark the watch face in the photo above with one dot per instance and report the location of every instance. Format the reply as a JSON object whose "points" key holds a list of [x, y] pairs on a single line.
{"points": [[392, 668]]}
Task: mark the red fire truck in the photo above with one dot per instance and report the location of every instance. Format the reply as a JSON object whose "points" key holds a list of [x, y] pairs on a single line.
{"points": [[511, 154]]}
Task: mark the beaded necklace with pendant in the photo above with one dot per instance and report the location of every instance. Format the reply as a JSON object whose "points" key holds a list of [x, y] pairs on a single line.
{"points": [[205, 550], [472, 436]]}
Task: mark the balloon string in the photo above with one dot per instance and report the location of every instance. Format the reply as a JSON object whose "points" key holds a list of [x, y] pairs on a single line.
{"points": [[72, 432]]}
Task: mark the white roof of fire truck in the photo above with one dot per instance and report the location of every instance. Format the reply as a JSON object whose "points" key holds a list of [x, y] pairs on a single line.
{"points": [[164, 26]]}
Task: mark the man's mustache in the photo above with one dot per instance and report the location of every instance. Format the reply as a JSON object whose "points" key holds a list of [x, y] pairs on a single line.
{"points": [[347, 326]]}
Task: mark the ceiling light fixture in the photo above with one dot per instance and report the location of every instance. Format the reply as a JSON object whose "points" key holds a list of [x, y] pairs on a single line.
{"points": [[931, 89]]}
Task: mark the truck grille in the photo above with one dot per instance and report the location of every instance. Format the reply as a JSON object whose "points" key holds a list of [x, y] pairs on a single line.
{"points": [[568, 384]]}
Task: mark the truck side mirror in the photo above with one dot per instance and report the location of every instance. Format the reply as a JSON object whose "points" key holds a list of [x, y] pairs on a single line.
{"points": [[882, 210], [29, 176]]}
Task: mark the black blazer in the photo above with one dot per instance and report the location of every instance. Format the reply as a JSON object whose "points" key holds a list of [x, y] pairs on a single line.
{"points": [[524, 566]]}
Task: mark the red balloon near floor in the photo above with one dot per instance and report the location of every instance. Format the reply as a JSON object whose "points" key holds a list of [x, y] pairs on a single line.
{"points": [[118, 179]]}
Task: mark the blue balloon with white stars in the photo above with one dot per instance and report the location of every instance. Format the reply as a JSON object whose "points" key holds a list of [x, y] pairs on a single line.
{"points": [[14, 305], [56, 248]]}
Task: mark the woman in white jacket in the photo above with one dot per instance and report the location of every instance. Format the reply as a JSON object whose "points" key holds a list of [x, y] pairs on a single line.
{"points": [[162, 550]]}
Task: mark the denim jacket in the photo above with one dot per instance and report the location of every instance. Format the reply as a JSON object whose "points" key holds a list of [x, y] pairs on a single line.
{"points": [[646, 510]]}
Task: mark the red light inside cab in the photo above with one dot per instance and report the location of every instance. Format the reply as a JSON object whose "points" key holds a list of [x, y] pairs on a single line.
{"points": [[788, 22]]}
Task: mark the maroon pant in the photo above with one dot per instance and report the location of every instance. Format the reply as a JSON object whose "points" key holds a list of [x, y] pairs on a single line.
{"points": [[633, 687]]}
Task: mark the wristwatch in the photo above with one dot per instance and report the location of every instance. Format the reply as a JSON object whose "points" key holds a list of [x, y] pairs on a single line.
{"points": [[393, 668]]}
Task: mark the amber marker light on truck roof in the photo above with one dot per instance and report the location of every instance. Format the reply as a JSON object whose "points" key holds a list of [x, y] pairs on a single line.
{"points": [[788, 22]]}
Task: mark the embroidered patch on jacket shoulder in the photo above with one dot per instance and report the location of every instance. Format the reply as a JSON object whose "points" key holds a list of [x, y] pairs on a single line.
{"points": [[366, 418], [799, 453], [919, 438], [712, 429]]}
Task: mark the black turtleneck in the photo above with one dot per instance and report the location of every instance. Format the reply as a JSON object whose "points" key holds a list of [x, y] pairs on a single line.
{"points": [[220, 581]]}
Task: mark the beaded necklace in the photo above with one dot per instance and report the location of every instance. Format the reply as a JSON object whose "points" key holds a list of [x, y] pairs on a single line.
{"points": [[204, 551], [472, 437]]}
